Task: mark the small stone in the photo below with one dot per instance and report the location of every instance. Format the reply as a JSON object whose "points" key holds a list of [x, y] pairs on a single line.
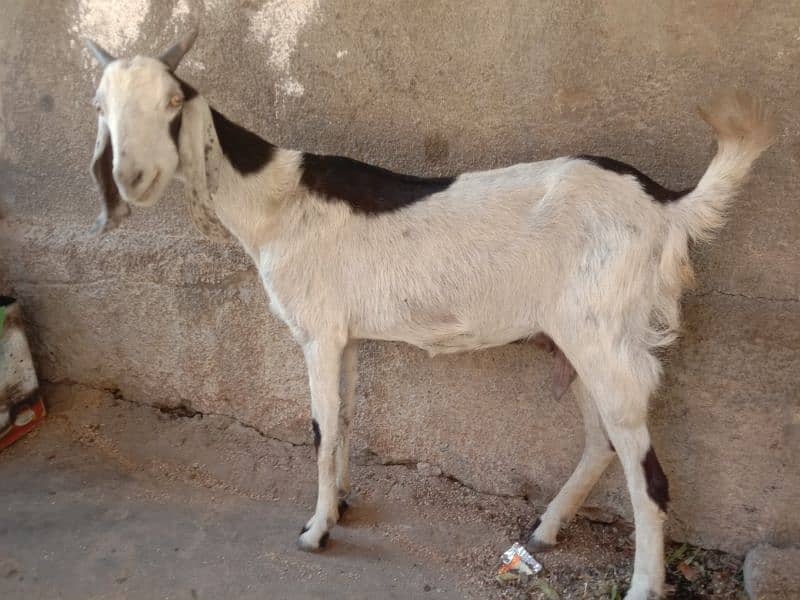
{"points": [[771, 573]]}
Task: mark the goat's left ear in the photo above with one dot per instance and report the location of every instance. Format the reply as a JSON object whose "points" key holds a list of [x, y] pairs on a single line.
{"points": [[172, 56], [114, 209]]}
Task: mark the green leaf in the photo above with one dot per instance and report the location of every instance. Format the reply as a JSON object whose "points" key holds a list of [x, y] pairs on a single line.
{"points": [[692, 556], [2, 318], [677, 554], [615, 593]]}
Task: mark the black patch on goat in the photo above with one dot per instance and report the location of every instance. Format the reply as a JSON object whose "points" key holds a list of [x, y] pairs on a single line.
{"points": [[246, 151], [317, 434], [657, 485], [654, 189], [188, 94], [175, 128], [365, 188], [188, 91]]}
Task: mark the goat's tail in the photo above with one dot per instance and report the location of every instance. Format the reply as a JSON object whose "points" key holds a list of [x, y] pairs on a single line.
{"points": [[744, 129]]}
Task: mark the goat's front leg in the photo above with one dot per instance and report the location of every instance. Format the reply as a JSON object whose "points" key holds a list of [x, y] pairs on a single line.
{"points": [[597, 454], [323, 360], [347, 388]]}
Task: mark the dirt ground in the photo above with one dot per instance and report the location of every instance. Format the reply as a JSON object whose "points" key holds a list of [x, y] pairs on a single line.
{"points": [[111, 499]]}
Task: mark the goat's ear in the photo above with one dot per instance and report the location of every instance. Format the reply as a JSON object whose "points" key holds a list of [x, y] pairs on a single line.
{"points": [[172, 56], [102, 55], [200, 157], [113, 208]]}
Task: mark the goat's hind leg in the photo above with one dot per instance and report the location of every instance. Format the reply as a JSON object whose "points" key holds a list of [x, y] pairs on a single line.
{"points": [[323, 360], [622, 392], [647, 486], [597, 455]]}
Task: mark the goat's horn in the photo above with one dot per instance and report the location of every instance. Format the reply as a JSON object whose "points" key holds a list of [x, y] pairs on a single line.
{"points": [[102, 56], [173, 55]]}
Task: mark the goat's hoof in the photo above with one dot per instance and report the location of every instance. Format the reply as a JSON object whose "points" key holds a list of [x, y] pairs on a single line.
{"points": [[644, 589], [534, 545], [537, 544], [642, 595], [310, 541]]}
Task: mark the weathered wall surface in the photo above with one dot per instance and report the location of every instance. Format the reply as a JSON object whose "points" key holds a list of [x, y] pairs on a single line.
{"points": [[426, 88]]}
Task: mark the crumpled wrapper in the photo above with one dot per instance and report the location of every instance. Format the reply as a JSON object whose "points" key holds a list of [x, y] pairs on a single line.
{"points": [[517, 564]]}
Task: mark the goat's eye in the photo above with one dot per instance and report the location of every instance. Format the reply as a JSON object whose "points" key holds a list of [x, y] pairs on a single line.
{"points": [[176, 101]]}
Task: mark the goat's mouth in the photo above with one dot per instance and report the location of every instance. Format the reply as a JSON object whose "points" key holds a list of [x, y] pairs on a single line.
{"points": [[147, 197]]}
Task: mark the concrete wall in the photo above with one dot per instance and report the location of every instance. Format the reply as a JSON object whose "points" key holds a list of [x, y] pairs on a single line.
{"points": [[427, 88]]}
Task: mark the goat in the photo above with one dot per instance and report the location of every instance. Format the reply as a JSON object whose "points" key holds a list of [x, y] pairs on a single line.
{"points": [[586, 251]]}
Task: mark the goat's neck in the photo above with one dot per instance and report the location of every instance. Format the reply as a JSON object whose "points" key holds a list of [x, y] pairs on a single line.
{"points": [[257, 205]]}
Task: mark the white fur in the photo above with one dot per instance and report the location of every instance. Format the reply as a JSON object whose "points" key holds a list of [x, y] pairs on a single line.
{"points": [[559, 246]]}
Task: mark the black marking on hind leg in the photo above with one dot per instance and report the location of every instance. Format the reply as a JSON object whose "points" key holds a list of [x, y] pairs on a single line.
{"points": [[611, 445], [323, 541], [317, 434], [657, 485], [304, 529], [343, 506]]}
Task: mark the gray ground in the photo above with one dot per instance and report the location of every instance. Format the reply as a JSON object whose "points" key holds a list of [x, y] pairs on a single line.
{"points": [[110, 499]]}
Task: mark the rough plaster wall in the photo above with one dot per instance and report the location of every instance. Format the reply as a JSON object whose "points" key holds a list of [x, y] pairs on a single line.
{"points": [[426, 88]]}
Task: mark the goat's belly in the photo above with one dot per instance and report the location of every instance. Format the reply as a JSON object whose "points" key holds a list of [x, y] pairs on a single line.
{"points": [[448, 337], [460, 343]]}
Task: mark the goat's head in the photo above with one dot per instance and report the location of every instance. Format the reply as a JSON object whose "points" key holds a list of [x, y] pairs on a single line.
{"points": [[139, 105]]}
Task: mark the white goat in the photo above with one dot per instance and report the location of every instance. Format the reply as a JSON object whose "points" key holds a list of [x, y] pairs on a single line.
{"points": [[585, 250]]}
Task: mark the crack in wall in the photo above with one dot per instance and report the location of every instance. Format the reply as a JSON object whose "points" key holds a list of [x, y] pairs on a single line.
{"points": [[181, 411], [411, 463], [745, 296], [185, 411]]}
